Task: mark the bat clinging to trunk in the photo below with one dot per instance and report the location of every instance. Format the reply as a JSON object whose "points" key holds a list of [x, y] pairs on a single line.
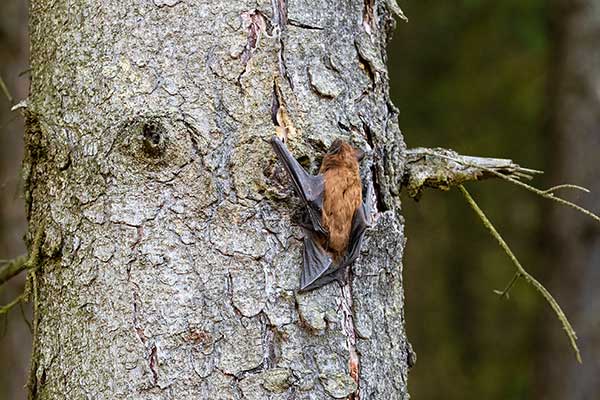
{"points": [[336, 212]]}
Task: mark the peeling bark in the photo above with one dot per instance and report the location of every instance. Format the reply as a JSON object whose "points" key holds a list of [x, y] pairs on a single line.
{"points": [[171, 255]]}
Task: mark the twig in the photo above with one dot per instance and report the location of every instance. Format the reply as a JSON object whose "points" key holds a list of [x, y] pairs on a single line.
{"points": [[32, 293], [12, 268], [4, 324], [544, 193], [25, 317], [6, 308], [548, 195], [25, 71], [522, 272], [522, 175], [5, 91], [504, 293], [32, 383], [566, 186]]}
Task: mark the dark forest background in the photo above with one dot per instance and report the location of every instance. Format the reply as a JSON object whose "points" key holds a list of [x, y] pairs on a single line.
{"points": [[483, 77]]}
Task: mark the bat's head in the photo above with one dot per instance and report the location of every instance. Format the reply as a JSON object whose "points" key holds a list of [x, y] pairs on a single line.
{"points": [[341, 155], [344, 149]]}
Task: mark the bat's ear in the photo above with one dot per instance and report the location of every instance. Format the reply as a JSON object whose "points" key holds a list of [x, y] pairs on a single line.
{"points": [[335, 146], [359, 154]]}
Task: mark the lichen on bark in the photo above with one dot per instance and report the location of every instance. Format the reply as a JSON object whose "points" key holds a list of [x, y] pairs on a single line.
{"points": [[171, 258]]}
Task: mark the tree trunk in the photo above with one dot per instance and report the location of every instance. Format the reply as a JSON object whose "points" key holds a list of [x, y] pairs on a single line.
{"points": [[575, 121], [170, 259]]}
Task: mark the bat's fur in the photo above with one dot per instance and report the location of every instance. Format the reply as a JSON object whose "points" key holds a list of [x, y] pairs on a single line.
{"points": [[342, 195]]}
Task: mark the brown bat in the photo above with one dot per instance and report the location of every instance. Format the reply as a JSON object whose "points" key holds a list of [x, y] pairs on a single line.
{"points": [[337, 216]]}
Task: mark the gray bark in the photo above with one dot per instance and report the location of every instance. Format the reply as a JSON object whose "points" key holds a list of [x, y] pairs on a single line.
{"points": [[575, 121], [170, 257]]}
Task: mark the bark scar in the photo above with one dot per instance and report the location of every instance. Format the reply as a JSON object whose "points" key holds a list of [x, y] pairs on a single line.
{"points": [[284, 127], [368, 16], [280, 13], [257, 25], [349, 330], [153, 360], [138, 329]]}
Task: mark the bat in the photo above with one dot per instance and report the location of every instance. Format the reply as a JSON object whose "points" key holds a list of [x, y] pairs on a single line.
{"points": [[337, 215]]}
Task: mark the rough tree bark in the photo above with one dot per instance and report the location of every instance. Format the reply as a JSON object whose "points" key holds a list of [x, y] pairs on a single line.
{"points": [[574, 125], [169, 255]]}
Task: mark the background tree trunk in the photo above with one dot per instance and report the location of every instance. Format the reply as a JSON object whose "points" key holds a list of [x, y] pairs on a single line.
{"points": [[15, 339], [169, 258], [576, 239]]}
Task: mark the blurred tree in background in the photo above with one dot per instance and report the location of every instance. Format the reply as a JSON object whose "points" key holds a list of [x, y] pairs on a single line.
{"points": [[503, 79], [471, 75], [574, 242], [13, 70], [485, 78], [15, 339]]}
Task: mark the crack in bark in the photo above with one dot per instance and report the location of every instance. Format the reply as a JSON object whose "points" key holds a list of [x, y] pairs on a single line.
{"points": [[349, 329], [374, 176], [140, 235], [280, 18], [235, 308], [269, 341], [366, 66], [280, 21], [368, 16], [138, 329], [302, 25], [257, 25], [254, 31], [193, 135], [282, 64], [284, 126], [275, 103], [153, 361]]}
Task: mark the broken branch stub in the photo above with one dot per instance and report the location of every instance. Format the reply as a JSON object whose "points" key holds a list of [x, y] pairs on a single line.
{"points": [[442, 169]]}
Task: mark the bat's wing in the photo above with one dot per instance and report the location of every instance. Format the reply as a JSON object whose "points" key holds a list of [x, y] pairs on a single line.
{"points": [[319, 269], [360, 224], [308, 187], [317, 264]]}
